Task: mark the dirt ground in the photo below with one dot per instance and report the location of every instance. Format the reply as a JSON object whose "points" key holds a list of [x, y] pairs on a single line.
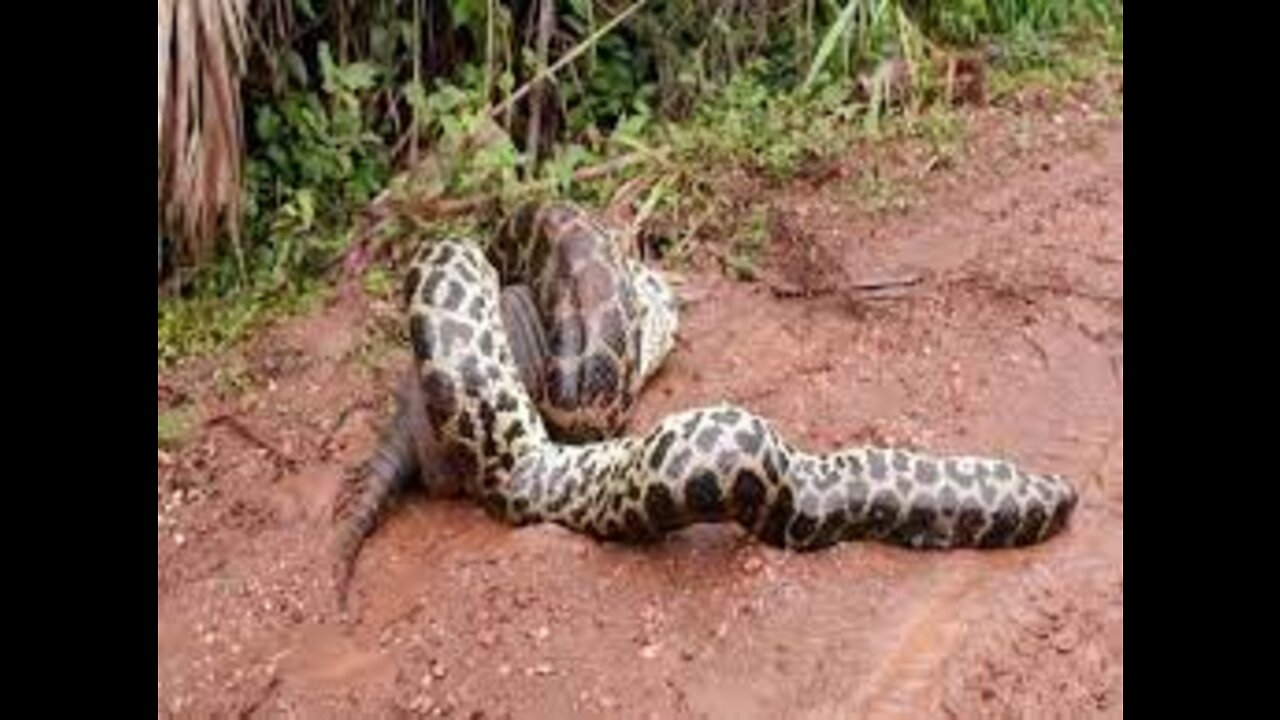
{"points": [[1010, 344]]}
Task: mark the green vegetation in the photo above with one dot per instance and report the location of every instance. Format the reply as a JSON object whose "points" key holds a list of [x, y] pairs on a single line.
{"points": [[406, 107], [174, 427]]}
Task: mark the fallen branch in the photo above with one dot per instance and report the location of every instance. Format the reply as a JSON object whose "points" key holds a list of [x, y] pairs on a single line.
{"points": [[341, 420], [441, 207], [1035, 345], [546, 21], [238, 426], [876, 289], [424, 210], [885, 283]]}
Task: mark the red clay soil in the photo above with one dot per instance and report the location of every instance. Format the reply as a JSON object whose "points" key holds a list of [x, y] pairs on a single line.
{"points": [[1012, 344]]}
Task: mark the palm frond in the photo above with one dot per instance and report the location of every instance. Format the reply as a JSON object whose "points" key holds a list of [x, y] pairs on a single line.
{"points": [[201, 58]]}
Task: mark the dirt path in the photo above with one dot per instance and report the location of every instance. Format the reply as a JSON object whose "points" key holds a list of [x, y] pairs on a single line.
{"points": [[1013, 345]]}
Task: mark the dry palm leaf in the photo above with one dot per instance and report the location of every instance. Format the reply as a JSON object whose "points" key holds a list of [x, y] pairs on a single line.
{"points": [[201, 49]]}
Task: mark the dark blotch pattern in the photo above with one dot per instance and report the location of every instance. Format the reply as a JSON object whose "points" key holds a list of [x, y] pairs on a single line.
{"points": [[926, 472], [411, 282], [748, 441], [883, 515], [506, 402], [660, 451], [612, 332], [686, 430], [473, 381], [420, 337], [771, 470], [454, 297], [466, 429], [460, 461], [707, 438], [968, 524], [1032, 524], [566, 337], [675, 471], [599, 377], [875, 459], [917, 530], [660, 507], [634, 526], [703, 495], [901, 461], [1003, 524], [748, 495], [440, 397], [430, 285], [451, 332], [780, 514], [802, 529]]}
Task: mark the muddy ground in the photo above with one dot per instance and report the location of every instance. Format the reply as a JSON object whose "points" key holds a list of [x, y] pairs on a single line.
{"points": [[1010, 343]]}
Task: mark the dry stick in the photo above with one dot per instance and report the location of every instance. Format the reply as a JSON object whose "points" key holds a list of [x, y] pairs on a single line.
{"points": [[872, 286], [248, 433], [457, 206], [375, 215], [1035, 345], [877, 289], [415, 121], [546, 19]]}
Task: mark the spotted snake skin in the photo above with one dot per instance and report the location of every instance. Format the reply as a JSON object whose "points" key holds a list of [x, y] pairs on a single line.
{"points": [[528, 358]]}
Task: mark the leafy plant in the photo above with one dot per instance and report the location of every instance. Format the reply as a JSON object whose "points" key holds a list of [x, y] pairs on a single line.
{"points": [[338, 95]]}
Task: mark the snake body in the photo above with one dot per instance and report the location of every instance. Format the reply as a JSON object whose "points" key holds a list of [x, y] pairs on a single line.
{"points": [[528, 357]]}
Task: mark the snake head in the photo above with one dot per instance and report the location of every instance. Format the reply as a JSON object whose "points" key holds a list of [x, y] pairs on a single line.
{"points": [[659, 318]]}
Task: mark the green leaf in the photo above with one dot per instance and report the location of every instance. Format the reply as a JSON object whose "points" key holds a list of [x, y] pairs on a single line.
{"points": [[464, 11], [267, 124], [326, 65], [829, 41], [297, 68], [357, 76]]}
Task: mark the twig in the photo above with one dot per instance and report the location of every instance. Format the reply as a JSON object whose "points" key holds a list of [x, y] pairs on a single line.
{"points": [[378, 212], [448, 207], [341, 420], [872, 286], [240, 428], [546, 21], [1035, 345]]}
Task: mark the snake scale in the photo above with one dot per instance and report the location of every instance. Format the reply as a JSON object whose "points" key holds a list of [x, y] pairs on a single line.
{"points": [[528, 357]]}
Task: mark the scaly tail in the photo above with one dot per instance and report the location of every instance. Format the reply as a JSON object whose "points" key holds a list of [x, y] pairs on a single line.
{"points": [[368, 489], [723, 463]]}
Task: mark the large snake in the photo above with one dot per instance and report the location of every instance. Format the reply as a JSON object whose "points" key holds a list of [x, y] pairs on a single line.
{"points": [[528, 357]]}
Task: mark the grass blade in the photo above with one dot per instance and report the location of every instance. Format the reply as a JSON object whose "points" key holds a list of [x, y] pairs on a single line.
{"points": [[829, 41]]}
